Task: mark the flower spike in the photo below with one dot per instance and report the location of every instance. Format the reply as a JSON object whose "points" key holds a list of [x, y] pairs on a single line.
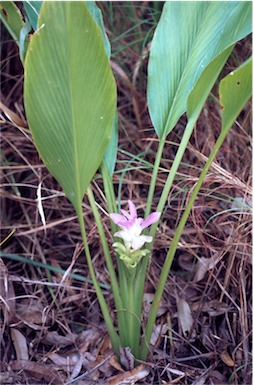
{"points": [[131, 228]]}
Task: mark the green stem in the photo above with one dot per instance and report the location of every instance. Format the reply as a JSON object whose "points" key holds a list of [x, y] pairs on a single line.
{"points": [[131, 276], [163, 199], [154, 177], [170, 255], [138, 289], [171, 176], [142, 266], [193, 116], [110, 267], [109, 192], [133, 320], [104, 308], [111, 202]]}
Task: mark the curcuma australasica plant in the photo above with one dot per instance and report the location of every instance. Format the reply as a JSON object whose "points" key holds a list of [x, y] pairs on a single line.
{"points": [[70, 103]]}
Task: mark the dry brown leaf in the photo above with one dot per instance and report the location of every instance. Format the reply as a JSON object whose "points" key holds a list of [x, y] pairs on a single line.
{"points": [[64, 361], [31, 312], [20, 344], [203, 266], [127, 358], [77, 367], [148, 300], [185, 261], [55, 339], [12, 116], [130, 377], [115, 364], [6, 378], [73, 361], [105, 346], [213, 307], [38, 371], [200, 381], [158, 332], [207, 337], [88, 338], [184, 316], [106, 364], [105, 350], [225, 357], [217, 378]]}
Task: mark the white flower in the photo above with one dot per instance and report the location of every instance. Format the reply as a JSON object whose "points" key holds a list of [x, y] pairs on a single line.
{"points": [[132, 227]]}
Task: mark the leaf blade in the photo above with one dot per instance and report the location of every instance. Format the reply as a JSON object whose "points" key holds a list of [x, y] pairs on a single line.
{"points": [[235, 91], [188, 37], [70, 95], [111, 151], [11, 17]]}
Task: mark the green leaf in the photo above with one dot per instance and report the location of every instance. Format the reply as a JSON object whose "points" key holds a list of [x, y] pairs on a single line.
{"points": [[11, 18], [111, 152], [97, 16], [70, 95], [200, 92], [32, 9], [189, 36], [235, 90]]}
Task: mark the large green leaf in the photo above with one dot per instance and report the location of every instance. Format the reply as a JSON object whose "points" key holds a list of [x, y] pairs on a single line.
{"points": [[111, 151], [235, 90], [189, 36], [32, 9], [200, 92], [70, 94]]}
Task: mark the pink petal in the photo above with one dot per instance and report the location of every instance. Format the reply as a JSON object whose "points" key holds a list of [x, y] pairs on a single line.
{"points": [[117, 218], [126, 214], [125, 224], [132, 208], [152, 218]]}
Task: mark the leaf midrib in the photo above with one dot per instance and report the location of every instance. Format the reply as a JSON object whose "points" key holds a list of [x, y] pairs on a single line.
{"points": [[77, 198]]}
